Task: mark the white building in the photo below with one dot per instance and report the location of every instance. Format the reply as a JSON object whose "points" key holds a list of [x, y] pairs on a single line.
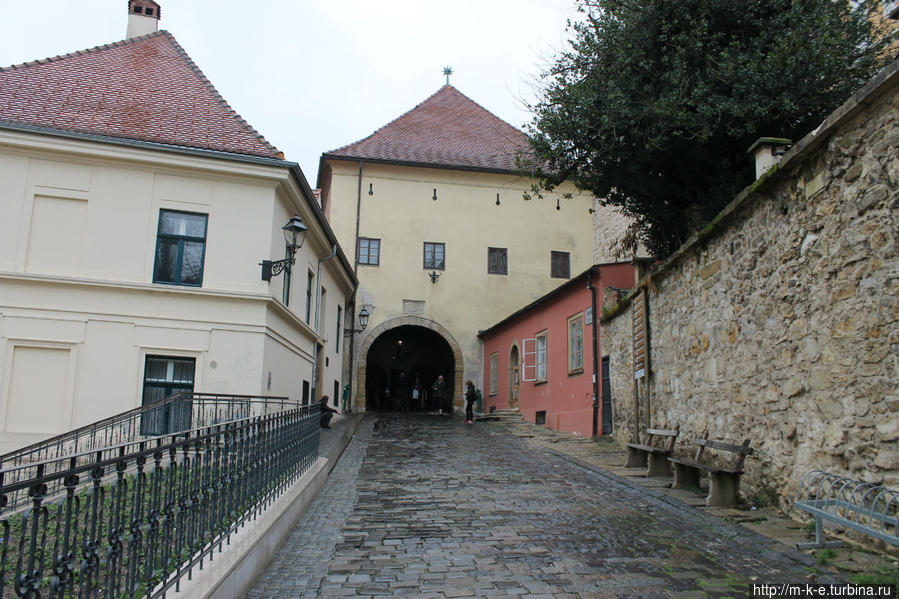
{"points": [[135, 209]]}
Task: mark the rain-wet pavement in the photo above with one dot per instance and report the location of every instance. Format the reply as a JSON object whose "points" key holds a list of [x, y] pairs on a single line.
{"points": [[425, 506]]}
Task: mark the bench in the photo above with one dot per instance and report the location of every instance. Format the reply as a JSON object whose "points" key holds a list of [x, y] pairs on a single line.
{"points": [[861, 506], [724, 481], [653, 457]]}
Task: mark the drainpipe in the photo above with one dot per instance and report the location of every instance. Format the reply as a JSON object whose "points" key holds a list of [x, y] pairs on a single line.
{"points": [[352, 314], [318, 301], [595, 356], [358, 219]]}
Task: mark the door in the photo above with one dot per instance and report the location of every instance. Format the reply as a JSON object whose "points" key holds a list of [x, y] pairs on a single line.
{"points": [[513, 377], [606, 398]]}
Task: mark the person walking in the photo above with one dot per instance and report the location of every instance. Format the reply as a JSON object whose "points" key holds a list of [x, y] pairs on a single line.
{"points": [[471, 396], [438, 392]]}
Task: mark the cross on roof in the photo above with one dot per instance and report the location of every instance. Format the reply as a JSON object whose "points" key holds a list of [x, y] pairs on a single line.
{"points": [[447, 71]]}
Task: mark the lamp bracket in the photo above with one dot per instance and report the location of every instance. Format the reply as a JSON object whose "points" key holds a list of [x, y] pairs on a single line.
{"points": [[272, 268]]}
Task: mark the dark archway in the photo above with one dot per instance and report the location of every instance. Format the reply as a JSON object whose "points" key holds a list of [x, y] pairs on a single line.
{"points": [[403, 357]]}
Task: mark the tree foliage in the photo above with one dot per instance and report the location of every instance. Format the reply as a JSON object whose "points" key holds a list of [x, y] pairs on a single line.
{"points": [[655, 104]]}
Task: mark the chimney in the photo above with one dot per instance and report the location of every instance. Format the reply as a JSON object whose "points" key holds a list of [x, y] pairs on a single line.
{"points": [[143, 18], [768, 152]]}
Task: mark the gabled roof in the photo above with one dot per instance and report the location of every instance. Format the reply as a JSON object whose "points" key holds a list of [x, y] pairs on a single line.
{"points": [[145, 88], [447, 130]]}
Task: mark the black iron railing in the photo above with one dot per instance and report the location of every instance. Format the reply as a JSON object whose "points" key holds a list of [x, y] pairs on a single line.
{"points": [[134, 518], [175, 414]]}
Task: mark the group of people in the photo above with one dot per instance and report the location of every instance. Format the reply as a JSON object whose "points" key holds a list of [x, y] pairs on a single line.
{"points": [[438, 397], [403, 397]]}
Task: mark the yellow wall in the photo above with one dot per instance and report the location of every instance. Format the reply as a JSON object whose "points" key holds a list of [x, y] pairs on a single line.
{"points": [[465, 299]]}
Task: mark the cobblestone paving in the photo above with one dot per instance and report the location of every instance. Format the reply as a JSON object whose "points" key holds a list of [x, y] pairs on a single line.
{"points": [[420, 506]]}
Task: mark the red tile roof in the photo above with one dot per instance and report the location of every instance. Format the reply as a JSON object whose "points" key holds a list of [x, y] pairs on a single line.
{"points": [[145, 88], [446, 130]]}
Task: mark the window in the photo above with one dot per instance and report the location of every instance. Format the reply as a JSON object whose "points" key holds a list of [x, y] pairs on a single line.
{"points": [[434, 255], [306, 389], [165, 376], [148, 11], [560, 265], [339, 334], [576, 344], [310, 278], [494, 371], [180, 248], [497, 261], [541, 356], [368, 251]]}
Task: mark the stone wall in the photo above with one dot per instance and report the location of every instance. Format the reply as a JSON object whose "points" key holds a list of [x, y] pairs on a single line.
{"points": [[609, 226], [778, 323]]}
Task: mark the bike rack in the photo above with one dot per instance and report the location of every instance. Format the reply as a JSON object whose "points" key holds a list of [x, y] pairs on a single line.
{"points": [[861, 506]]}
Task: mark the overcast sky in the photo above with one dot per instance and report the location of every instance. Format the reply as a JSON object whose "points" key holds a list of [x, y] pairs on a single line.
{"points": [[314, 75]]}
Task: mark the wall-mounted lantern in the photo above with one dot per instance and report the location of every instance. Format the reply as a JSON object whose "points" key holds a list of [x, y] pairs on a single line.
{"points": [[294, 236], [434, 276], [363, 322]]}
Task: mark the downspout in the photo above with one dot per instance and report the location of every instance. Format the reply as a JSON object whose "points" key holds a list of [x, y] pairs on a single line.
{"points": [[353, 302], [318, 301], [595, 356], [358, 218]]}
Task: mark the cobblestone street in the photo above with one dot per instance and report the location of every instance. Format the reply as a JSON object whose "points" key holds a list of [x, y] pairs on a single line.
{"points": [[427, 507]]}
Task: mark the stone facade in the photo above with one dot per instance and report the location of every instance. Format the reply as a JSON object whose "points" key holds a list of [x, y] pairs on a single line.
{"points": [[778, 323]]}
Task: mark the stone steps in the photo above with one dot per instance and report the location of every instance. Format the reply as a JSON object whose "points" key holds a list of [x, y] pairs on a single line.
{"points": [[504, 415]]}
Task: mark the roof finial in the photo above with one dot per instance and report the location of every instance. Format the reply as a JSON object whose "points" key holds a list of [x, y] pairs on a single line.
{"points": [[447, 71]]}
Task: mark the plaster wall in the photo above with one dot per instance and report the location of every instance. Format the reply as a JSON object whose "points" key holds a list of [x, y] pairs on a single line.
{"points": [[566, 396], [779, 322], [401, 213], [78, 226]]}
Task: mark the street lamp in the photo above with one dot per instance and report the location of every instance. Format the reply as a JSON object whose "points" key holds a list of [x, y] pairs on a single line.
{"points": [[363, 322], [294, 236]]}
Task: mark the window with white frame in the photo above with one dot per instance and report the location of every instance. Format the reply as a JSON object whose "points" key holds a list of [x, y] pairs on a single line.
{"points": [[541, 356], [576, 344], [494, 373]]}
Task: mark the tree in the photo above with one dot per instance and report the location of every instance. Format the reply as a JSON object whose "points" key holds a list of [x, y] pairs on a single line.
{"points": [[655, 104]]}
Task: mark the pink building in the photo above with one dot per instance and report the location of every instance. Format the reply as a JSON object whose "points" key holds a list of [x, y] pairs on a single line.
{"points": [[541, 358]]}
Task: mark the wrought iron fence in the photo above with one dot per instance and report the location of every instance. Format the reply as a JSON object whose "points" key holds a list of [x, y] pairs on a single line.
{"points": [[175, 414], [134, 518]]}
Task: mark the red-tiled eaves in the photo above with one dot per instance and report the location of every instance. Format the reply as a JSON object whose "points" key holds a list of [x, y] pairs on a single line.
{"points": [[447, 130], [145, 88]]}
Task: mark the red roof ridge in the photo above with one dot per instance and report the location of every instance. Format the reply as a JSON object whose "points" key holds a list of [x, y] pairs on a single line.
{"points": [[124, 42], [379, 129], [224, 103], [201, 80], [445, 86]]}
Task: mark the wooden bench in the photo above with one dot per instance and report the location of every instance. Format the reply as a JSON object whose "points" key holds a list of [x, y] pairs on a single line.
{"points": [[653, 457], [724, 481]]}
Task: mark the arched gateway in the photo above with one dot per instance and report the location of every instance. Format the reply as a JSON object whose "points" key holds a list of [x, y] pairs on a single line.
{"points": [[400, 351]]}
